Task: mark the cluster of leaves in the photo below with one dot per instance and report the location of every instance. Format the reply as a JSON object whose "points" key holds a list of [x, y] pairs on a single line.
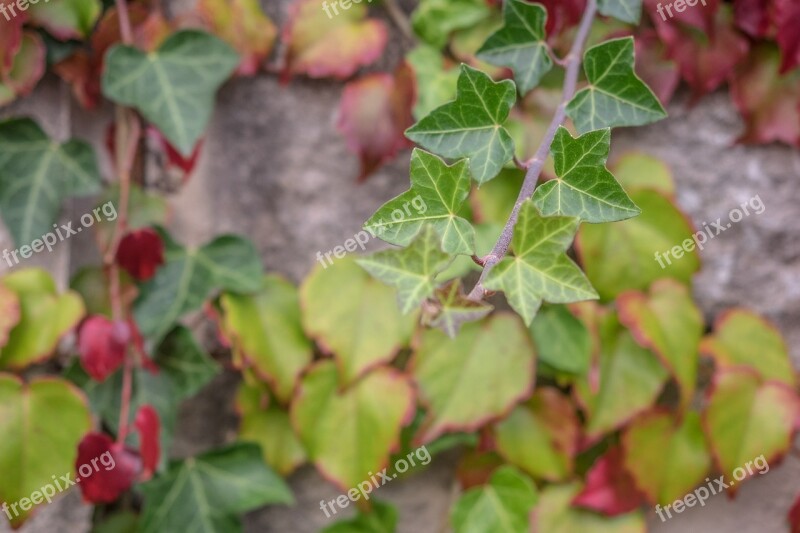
{"points": [[573, 401]]}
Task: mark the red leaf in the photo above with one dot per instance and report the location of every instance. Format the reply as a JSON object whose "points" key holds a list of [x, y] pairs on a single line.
{"points": [[562, 14], [609, 487], [102, 344], [175, 163], [112, 472], [374, 114], [321, 46], [787, 19], [653, 66], [705, 59], [149, 428], [140, 253], [794, 516], [10, 41], [753, 16], [768, 102]]}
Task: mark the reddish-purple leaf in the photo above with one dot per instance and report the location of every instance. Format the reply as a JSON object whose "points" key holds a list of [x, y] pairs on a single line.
{"points": [[374, 114], [787, 19], [178, 166], [609, 489], [654, 66], [148, 425], [562, 14], [113, 471], [102, 344], [140, 253], [794, 516], [10, 40], [753, 16]]}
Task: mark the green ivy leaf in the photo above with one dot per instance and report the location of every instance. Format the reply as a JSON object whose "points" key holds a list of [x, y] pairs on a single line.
{"points": [[42, 423], [743, 338], [266, 333], [746, 418], [583, 188], [411, 269], [668, 322], [206, 493], [472, 125], [540, 269], [625, 255], [658, 435], [561, 340], [44, 318], [555, 514], [629, 11], [350, 433], [501, 505], [37, 174], [452, 374], [382, 518], [452, 309], [442, 191], [189, 276], [631, 379], [436, 82], [70, 19], [174, 86], [435, 20], [10, 312], [353, 316], [520, 44], [615, 95], [541, 435], [264, 422], [187, 365]]}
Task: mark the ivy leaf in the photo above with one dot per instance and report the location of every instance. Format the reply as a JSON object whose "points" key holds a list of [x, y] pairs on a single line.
{"points": [[264, 422], [561, 340], [625, 255], [520, 44], [541, 435], [140, 253], [45, 316], [331, 43], [658, 435], [540, 269], [339, 428], [174, 86], [10, 312], [411, 269], [472, 125], [742, 338], [267, 335], [452, 309], [668, 322], [449, 373], [37, 174], [555, 514], [243, 25], [436, 197], [630, 380], [206, 493], [748, 418], [70, 19], [435, 20], [332, 296], [583, 188], [615, 95], [768, 102], [629, 11], [42, 423], [188, 367], [188, 278], [374, 112], [787, 19], [382, 518], [501, 505], [27, 67], [436, 79], [609, 488]]}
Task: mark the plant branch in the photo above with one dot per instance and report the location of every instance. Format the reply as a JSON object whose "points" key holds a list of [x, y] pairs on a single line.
{"points": [[535, 165], [124, 22], [399, 18]]}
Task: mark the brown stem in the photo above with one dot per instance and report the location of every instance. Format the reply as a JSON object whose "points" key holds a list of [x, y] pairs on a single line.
{"points": [[573, 63], [399, 18], [124, 22]]}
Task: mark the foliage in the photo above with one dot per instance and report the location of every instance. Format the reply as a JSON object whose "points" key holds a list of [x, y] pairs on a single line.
{"points": [[602, 366]]}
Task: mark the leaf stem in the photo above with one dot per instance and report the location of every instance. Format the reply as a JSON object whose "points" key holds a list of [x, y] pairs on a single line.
{"points": [[573, 62], [124, 22], [399, 18]]}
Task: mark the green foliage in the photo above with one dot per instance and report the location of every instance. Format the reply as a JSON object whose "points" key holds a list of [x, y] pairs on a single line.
{"points": [[381, 519], [206, 493], [37, 174], [501, 505], [174, 86], [629, 11], [472, 125]]}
